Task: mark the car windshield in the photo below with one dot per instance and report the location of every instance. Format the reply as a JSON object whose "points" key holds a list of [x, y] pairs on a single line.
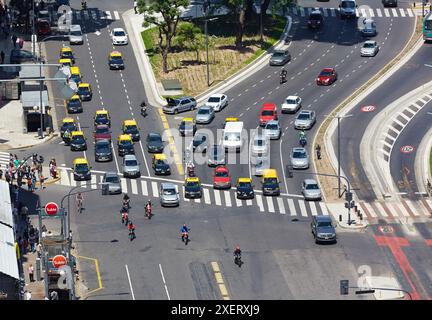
{"points": [[81, 168], [204, 111], [214, 99], [244, 185], [116, 59], [74, 101], [324, 224], [83, 90], [67, 54], [102, 130], [315, 16], [267, 113], [272, 126], [173, 102], [169, 192], [102, 148], [126, 143], [271, 180], [101, 116], [221, 174], [348, 4], [131, 129], [312, 186], [303, 116], [160, 162], [326, 73], [368, 45], [112, 179], [299, 154], [155, 138], [278, 54], [428, 25], [131, 163], [75, 33], [78, 139], [69, 126], [76, 77], [192, 184], [291, 101], [119, 34]]}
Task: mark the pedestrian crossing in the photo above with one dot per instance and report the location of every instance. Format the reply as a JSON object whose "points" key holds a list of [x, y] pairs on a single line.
{"points": [[360, 13], [94, 14], [390, 210], [4, 159], [146, 187]]}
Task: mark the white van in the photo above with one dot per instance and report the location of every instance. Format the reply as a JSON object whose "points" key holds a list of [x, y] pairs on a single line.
{"points": [[347, 8], [232, 137], [75, 34]]}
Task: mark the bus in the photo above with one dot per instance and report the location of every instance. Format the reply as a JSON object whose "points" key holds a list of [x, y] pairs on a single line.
{"points": [[427, 27]]}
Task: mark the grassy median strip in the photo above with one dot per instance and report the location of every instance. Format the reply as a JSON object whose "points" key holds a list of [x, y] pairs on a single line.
{"points": [[224, 58], [324, 165]]}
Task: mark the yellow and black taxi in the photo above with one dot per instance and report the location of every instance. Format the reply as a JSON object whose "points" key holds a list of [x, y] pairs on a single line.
{"points": [[125, 145], [68, 124], [192, 188], [115, 60], [74, 105], [102, 117], [187, 127], [130, 127], [160, 164], [270, 183], [85, 91], [78, 141], [230, 119], [244, 188], [81, 169], [66, 53], [75, 75]]}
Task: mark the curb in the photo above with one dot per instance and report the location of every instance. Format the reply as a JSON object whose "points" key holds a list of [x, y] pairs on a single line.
{"points": [[50, 137], [356, 226]]}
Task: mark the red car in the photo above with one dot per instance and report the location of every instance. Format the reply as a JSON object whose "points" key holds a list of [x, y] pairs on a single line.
{"points": [[268, 113], [102, 131], [221, 178], [326, 77]]}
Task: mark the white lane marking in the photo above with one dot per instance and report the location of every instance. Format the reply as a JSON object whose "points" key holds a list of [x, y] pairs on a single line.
{"points": [[123, 185], [259, 202], [130, 282], [313, 207], [145, 160], [302, 206], [281, 205], [379, 14], [197, 200], [163, 279], [217, 198], [155, 190], [282, 165], [238, 202], [323, 208], [93, 183], [371, 13], [144, 187], [115, 157], [207, 196], [270, 204], [291, 207], [395, 14], [134, 186], [108, 15], [227, 198], [116, 15], [370, 209], [73, 183]]}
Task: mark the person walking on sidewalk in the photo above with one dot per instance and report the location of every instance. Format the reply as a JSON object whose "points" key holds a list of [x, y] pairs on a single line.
{"points": [[41, 180], [31, 273], [136, 6], [39, 250], [29, 183]]}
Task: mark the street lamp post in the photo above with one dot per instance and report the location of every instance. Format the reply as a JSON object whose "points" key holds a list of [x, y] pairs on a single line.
{"points": [[206, 5]]}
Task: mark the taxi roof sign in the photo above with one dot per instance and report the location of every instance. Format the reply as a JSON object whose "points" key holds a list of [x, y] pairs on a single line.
{"points": [[245, 180], [115, 54], [68, 120], [270, 173], [231, 119], [188, 120], [159, 156], [77, 133], [102, 111], [80, 161], [124, 137], [129, 123], [193, 179], [84, 85]]}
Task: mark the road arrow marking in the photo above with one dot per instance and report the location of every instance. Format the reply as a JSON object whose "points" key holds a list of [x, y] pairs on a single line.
{"points": [[97, 33]]}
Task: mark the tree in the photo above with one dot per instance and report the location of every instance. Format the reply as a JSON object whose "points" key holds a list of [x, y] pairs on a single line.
{"points": [[239, 7], [167, 25], [189, 36]]}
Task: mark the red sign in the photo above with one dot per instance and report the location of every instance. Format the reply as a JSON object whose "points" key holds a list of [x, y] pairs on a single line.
{"points": [[407, 149], [51, 208], [59, 261], [367, 108]]}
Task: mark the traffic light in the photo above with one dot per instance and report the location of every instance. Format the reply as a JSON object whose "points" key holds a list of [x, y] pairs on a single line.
{"points": [[348, 196], [344, 285]]}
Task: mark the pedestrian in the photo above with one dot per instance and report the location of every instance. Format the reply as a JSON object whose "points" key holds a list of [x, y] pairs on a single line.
{"points": [[14, 40], [136, 6], [27, 295], [29, 183], [39, 250], [33, 179], [1, 174], [2, 56], [31, 273], [42, 179]]}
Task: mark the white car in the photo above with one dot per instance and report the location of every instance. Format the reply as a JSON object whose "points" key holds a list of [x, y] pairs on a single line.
{"points": [[369, 49], [260, 145], [119, 36], [217, 101], [291, 105]]}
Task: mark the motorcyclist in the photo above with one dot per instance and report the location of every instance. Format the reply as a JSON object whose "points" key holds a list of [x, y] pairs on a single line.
{"points": [[148, 208], [131, 228], [126, 201], [302, 134], [66, 136], [191, 169], [125, 217], [237, 252], [84, 4], [184, 230], [283, 74]]}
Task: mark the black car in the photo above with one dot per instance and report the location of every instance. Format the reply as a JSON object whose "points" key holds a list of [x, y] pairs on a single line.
{"points": [[18, 56], [102, 119], [200, 143], [103, 150], [154, 143], [127, 147], [133, 132], [116, 62], [67, 126], [84, 93], [78, 143], [193, 190], [74, 106], [161, 167], [271, 187], [391, 3], [322, 229], [315, 20], [245, 190]]}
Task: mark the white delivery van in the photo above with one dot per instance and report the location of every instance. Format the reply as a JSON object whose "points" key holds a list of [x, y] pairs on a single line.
{"points": [[232, 137]]}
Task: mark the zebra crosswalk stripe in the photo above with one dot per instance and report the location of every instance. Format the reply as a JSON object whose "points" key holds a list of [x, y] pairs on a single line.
{"points": [[123, 184], [429, 202], [281, 205], [183, 193], [357, 13], [248, 202], [412, 208], [155, 190], [197, 200], [108, 15], [134, 186], [333, 12], [270, 204], [325, 13], [313, 208], [64, 177], [394, 12], [410, 13], [380, 209], [403, 210], [259, 202], [239, 203], [393, 210], [144, 188], [73, 183], [93, 182], [302, 206], [116, 15], [386, 12], [86, 15], [363, 12], [295, 11], [379, 14], [402, 12], [323, 208], [291, 207], [217, 198], [227, 198], [207, 196], [83, 184], [371, 13], [370, 209], [102, 15]]}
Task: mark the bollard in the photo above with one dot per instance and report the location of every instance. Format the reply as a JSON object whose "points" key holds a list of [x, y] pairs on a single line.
{"points": [[38, 269], [340, 218]]}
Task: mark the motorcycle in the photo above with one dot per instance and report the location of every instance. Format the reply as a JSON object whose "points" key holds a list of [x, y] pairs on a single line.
{"points": [[125, 218], [66, 140], [148, 212], [237, 260], [303, 142], [132, 235], [191, 171], [282, 78], [185, 238], [143, 111]]}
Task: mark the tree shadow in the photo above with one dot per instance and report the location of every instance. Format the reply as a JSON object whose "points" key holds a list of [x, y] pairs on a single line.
{"points": [[192, 63]]}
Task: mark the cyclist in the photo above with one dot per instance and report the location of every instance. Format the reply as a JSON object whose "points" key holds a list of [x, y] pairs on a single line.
{"points": [[79, 201]]}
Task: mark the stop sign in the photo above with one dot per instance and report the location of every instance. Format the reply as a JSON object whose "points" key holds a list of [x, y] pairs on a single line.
{"points": [[59, 261], [51, 208]]}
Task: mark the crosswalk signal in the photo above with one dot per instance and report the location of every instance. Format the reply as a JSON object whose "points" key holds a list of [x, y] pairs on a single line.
{"points": [[344, 285]]}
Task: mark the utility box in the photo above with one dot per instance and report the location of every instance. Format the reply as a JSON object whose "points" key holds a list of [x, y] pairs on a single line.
{"points": [[10, 90]]}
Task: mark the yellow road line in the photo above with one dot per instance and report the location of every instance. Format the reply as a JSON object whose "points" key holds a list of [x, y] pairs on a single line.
{"points": [[96, 262], [219, 280], [172, 146]]}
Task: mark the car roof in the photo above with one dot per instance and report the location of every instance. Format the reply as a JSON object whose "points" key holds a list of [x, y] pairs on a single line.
{"points": [[194, 179], [115, 53], [316, 11], [124, 137], [74, 97], [103, 111], [188, 120], [268, 106], [111, 173], [270, 173], [221, 168], [370, 41], [74, 27], [323, 218], [233, 119], [298, 149], [305, 111], [205, 107], [77, 133], [118, 29], [104, 141], [130, 123], [292, 97], [102, 126], [154, 134], [310, 181], [84, 85], [129, 157], [328, 69], [68, 120], [216, 95], [272, 122], [159, 156], [80, 161]]}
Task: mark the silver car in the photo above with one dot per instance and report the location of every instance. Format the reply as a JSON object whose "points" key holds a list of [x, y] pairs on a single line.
{"points": [[369, 29], [205, 114], [311, 190], [130, 166], [280, 57], [299, 158], [216, 155], [305, 119], [272, 130], [169, 195], [218, 101], [260, 145], [113, 181], [176, 105], [291, 105], [369, 49]]}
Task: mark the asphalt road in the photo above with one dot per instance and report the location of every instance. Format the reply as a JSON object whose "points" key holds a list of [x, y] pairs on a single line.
{"points": [[412, 75]]}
